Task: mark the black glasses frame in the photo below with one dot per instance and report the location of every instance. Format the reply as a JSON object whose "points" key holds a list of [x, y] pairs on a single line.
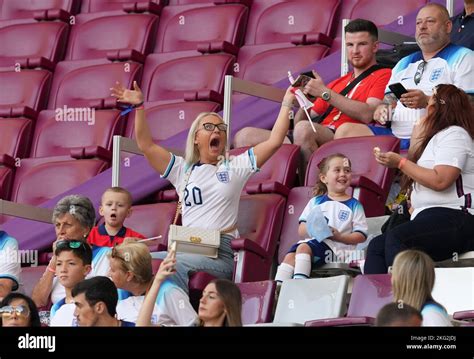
{"points": [[208, 126]]}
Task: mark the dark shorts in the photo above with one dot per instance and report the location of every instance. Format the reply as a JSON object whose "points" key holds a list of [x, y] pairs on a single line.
{"points": [[321, 251], [384, 131]]}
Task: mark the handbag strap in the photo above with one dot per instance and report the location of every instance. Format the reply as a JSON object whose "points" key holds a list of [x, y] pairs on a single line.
{"points": [[348, 88], [179, 207]]}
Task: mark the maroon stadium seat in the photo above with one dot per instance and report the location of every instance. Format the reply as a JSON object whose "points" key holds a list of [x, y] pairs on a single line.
{"points": [[16, 136], [87, 83], [369, 294], [168, 120], [24, 93], [98, 36], [257, 301], [55, 138], [277, 175], [197, 78], [182, 27], [90, 6], [30, 277], [38, 180], [6, 180], [42, 45], [370, 180], [280, 21], [25, 9]]}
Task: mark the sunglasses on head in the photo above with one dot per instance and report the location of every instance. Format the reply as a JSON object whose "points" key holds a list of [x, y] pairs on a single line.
{"points": [[71, 244], [19, 310]]}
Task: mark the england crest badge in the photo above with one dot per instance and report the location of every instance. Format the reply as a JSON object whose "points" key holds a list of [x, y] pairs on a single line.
{"points": [[223, 176]]}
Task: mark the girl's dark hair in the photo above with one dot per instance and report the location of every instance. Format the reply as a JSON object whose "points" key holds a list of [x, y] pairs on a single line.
{"points": [[320, 188], [451, 107], [34, 315]]}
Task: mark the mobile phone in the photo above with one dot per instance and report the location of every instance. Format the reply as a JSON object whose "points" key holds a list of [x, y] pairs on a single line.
{"points": [[398, 89], [303, 79]]}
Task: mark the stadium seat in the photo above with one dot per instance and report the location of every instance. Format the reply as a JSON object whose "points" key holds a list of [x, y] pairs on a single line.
{"points": [[317, 298], [454, 289], [181, 27], [369, 294], [168, 120], [56, 136], [42, 45], [282, 21], [26, 9], [370, 181], [101, 36], [16, 136], [6, 181], [197, 78], [153, 220], [277, 175], [87, 83], [29, 277], [24, 93], [38, 180], [93, 6], [257, 301]]}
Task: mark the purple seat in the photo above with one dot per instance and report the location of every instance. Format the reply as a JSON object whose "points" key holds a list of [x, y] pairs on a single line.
{"points": [[281, 21], [98, 36], [181, 27], [55, 138], [25, 9], [38, 180], [197, 78], [93, 6], [24, 93], [6, 180], [370, 180], [257, 301], [42, 45], [16, 136], [168, 120], [29, 277], [369, 294], [86, 83], [277, 175]]}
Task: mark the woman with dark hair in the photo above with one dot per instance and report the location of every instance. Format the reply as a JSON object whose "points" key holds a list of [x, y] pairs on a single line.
{"points": [[19, 310], [440, 174]]}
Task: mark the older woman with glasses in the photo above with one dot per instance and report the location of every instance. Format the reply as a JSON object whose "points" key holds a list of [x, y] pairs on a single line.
{"points": [[209, 184], [73, 218], [440, 175], [18, 310]]}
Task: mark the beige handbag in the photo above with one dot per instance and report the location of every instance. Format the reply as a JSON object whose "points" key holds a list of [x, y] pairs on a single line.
{"points": [[193, 240]]}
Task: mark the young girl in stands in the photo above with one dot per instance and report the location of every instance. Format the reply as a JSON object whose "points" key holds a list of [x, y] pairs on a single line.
{"points": [[343, 214], [413, 278]]}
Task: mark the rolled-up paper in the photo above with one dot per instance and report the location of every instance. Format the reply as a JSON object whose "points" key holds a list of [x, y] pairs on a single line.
{"points": [[149, 239]]}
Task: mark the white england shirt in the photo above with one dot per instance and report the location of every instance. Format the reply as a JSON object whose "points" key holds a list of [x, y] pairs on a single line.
{"points": [[10, 266], [211, 198], [452, 65], [62, 314]]}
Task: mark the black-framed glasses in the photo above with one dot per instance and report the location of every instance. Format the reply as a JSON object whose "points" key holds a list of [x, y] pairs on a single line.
{"points": [[19, 310], [210, 126], [419, 72], [71, 244]]}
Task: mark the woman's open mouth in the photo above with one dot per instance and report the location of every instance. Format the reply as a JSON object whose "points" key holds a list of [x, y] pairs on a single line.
{"points": [[214, 144]]}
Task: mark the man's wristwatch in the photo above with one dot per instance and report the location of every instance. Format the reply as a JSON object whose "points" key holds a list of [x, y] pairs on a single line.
{"points": [[326, 95]]}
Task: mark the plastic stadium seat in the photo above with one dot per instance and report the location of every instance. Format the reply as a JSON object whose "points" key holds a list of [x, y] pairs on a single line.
{"points": [[370, 180], [369, 294], [181, 27], [29, 277], [38, 180], [42, 45], [280, 21], [92, 6], [86, 83], [98, 36], [310, 299], [197, 78], [25, 9], [55, 138], [168, 120], [454, 289], [153, 220], [16, 136], [257, 301], [24, 93], [277, 175], [6, 180]]}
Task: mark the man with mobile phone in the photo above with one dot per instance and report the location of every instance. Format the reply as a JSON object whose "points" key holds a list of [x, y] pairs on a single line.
{"points": [[348, 99], [438, 62]]}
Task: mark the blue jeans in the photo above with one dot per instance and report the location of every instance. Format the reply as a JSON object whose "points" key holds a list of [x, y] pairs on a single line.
{"points": [[187, 264]]}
